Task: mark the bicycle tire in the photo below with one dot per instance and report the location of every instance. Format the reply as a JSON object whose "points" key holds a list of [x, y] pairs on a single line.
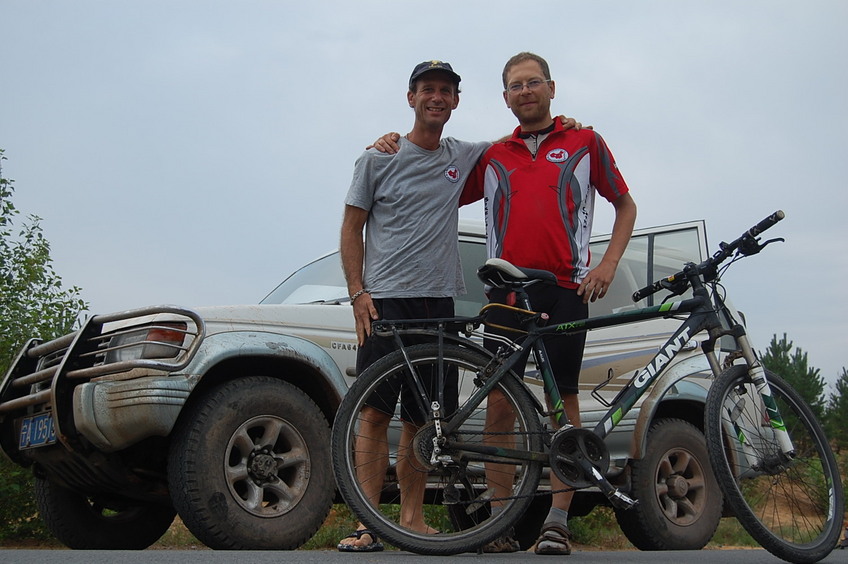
{"points": [[457, 496], [794, 510]]}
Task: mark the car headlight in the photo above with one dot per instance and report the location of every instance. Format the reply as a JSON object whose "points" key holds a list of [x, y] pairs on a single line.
{"points": [[163, 340]]}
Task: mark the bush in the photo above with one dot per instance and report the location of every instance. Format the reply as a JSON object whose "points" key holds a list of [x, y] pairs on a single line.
{"points": [[18, 513]]}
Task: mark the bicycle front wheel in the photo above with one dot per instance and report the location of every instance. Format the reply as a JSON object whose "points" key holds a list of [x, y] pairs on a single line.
{"points": [[792, 507], [422, 485]]}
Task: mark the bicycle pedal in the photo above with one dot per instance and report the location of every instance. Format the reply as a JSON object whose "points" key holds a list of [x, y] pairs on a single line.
{"points": [[621, 500], [480, 501]]}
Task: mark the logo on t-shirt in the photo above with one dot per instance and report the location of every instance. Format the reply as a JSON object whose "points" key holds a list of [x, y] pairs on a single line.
{"points": [[452, 173], [557, 155]]}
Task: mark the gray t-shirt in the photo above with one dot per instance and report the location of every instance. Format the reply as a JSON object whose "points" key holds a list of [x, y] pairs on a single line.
{"points": [[411, 234]]}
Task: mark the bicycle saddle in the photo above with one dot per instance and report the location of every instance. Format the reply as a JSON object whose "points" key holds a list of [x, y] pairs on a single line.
{"points": [[502, 274]]}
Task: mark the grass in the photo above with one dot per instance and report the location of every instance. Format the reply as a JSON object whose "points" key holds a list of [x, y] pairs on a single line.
{"points": [[596, 531], [338, 525], [178, 536]]}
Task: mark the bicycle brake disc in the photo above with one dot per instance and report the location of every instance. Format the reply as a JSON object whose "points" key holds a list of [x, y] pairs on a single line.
{"points": [[569, 447]]}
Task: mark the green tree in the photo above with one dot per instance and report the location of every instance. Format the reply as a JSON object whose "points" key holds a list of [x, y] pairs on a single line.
{"points": [[32, 299], [33, 303], [794, 367], [837, 413]]}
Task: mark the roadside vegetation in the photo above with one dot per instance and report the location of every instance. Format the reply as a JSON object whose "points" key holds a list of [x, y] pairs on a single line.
{"points": [[34, 301]]}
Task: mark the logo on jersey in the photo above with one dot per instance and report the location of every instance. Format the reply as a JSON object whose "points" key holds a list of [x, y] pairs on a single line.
{"points": [[557, 155], [452, 174]]}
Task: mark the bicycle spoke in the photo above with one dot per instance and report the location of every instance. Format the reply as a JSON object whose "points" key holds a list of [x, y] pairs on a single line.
{"points": [[791, 507]]}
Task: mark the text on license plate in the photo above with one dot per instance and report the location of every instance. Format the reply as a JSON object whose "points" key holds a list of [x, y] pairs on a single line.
{"points": [[37, 430]]}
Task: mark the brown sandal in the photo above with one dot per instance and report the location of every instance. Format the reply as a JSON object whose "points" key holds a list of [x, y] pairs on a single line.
{"points": [[555, 540], [374, 546], [502, 544]]}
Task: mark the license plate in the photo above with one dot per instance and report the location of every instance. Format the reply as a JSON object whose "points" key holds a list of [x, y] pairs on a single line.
{"points": [[36, 431]]}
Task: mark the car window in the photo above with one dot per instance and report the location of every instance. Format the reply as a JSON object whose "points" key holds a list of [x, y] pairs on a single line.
{"points": [[319, 281], [473, 255], [649, 257]]}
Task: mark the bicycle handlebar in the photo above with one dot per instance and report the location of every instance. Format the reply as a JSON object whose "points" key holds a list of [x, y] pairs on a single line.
{"points": [[765, 224], [746, 244], [668, 283]]}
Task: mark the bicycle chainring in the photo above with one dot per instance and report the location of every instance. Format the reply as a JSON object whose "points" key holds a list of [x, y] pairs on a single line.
{"points": [[571, 445]]}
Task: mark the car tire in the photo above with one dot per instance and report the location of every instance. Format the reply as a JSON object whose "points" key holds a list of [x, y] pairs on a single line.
{"points": [[250, 466], [99, 523], [680, 503]]}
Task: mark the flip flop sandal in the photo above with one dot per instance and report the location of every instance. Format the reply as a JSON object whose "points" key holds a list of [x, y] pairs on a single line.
{"points": [[374, 546]]}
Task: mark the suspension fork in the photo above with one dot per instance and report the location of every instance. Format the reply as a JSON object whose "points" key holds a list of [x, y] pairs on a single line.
{"points": [[757, 374], [772, 414]]}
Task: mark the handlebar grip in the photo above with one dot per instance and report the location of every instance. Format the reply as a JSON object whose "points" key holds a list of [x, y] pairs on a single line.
{"points": [[668, 283], [646, 291], [766, 223]]}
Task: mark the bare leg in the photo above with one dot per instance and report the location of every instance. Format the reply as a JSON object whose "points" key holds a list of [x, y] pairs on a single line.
{"points": [[555, 538], [562, 500], [372, 460], [499, 419], [412, 481]]}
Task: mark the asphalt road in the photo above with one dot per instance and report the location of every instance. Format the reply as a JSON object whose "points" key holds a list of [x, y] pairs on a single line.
{"points": [[752, 556]]}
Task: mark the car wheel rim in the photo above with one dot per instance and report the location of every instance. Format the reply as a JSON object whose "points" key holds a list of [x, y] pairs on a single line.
{"points": [[267, 466], [680, 487]]}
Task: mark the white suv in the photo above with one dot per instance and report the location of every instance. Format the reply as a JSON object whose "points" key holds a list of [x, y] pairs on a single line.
{"points": [[221, 414]]}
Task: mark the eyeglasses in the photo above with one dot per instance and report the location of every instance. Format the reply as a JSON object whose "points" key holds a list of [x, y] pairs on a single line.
{"points": [[534, 84]]}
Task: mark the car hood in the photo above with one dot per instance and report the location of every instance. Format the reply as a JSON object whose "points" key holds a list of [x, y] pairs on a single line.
{"points": [[328, 317]]}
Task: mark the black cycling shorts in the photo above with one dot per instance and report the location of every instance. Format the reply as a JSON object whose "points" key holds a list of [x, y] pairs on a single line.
{"points": [[385, 397], [565, 352]]}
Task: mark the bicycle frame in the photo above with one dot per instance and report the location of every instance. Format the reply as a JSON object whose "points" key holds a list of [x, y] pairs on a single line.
{"points": [[702, 316]]}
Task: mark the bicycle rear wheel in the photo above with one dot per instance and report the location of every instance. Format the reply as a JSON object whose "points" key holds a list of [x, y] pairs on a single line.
{"points": [[793, 508], [457, 500]]}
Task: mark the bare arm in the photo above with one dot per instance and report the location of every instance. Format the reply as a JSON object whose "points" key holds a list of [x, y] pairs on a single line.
{"points": [[598, 281], [352, 251]]}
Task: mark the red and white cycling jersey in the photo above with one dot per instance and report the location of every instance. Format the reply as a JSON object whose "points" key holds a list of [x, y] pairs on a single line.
{"points": [[539, 208]]}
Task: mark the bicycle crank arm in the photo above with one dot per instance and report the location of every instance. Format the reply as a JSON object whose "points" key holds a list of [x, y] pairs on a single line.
{"points": [[618, 499]]}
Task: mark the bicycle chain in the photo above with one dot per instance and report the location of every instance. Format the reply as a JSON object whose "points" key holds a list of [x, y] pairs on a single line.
{"points": [[507, 498]]}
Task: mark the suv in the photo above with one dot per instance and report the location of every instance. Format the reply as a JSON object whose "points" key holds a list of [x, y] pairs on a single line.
{"points": [[222, 414]]}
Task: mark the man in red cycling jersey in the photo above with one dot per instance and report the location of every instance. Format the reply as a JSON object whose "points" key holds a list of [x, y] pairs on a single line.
{"points": [[539, 192]]}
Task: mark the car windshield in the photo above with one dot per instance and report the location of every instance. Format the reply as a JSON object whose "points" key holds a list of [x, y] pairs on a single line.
{"points": [[651, 254], [319, 281]]}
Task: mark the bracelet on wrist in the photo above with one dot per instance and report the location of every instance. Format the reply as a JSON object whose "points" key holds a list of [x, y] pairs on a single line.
{"points": [[357, 294]]}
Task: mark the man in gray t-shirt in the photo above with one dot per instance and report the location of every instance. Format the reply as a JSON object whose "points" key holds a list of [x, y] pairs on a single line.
{"points": [[407, 267], [412, 198]]}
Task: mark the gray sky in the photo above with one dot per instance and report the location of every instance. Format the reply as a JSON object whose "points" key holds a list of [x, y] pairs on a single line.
{"points": [[196, 152]]}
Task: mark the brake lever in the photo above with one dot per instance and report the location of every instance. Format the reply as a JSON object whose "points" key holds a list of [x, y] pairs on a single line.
{"points": [[675, 288], [751, 246], [770, 241]]}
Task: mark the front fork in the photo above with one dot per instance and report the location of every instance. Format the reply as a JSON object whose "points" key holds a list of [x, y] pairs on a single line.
{"points": [[769, 412]]}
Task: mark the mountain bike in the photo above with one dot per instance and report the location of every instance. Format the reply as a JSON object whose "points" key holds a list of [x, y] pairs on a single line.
{"points": [[770, 455]]}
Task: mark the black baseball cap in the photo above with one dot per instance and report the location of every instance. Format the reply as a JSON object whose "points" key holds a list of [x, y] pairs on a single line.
{"points": [[428, 66]]}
